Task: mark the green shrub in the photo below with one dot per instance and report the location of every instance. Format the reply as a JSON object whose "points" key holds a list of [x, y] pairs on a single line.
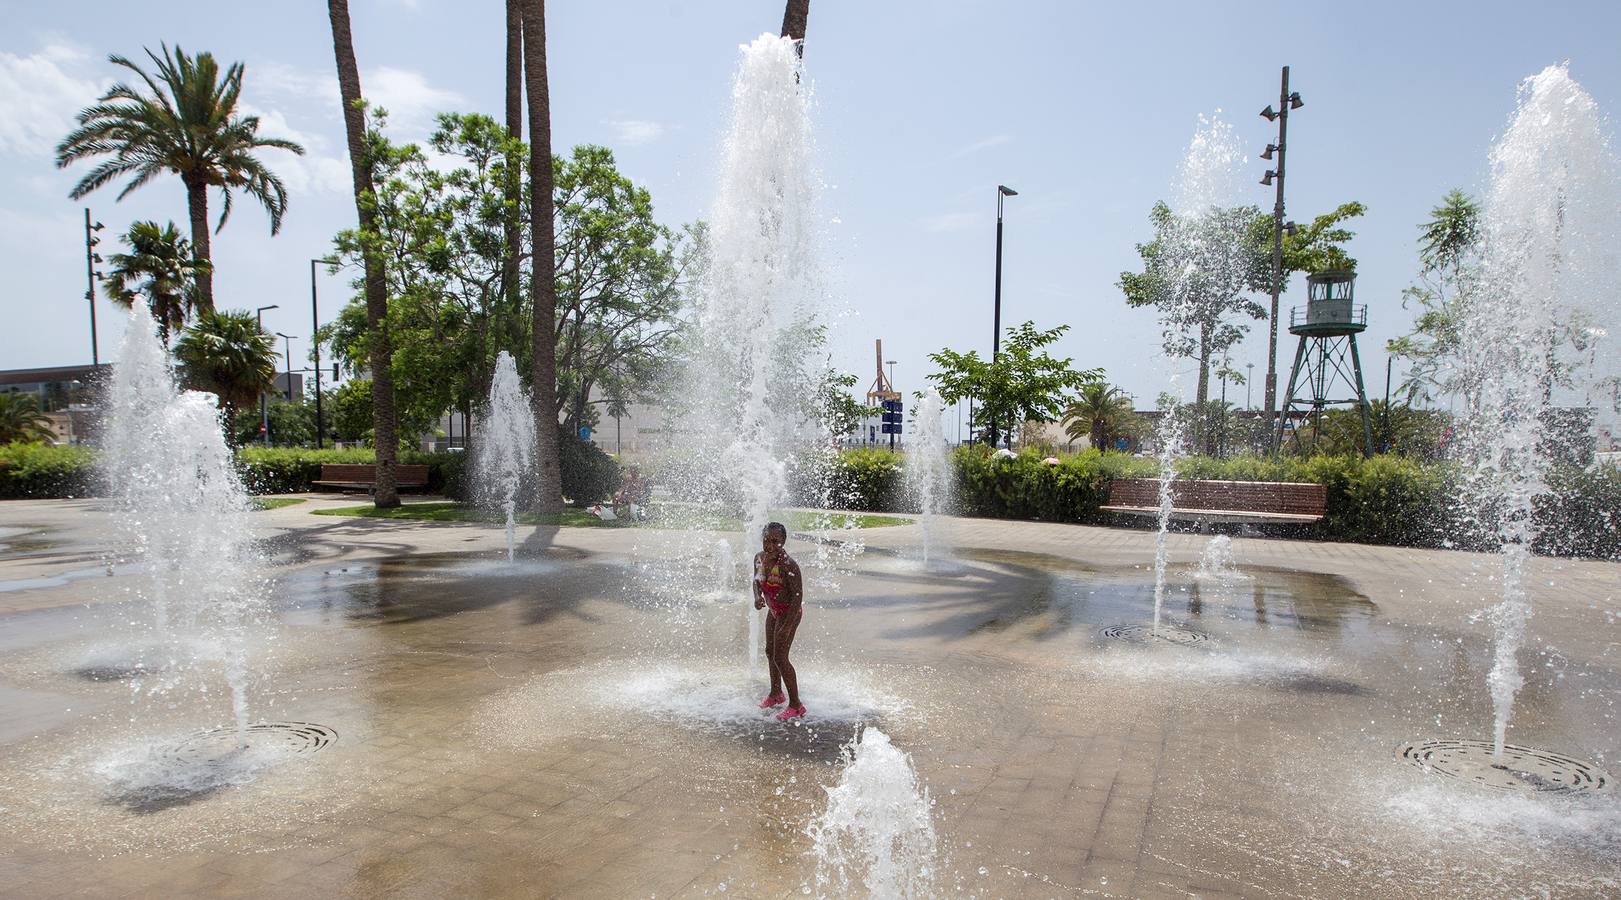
{"points": [[869, 479], [589, 474], [46, 471]]}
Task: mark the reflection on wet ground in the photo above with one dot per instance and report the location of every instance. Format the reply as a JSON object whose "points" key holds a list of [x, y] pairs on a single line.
{"points": [[555, 726]]}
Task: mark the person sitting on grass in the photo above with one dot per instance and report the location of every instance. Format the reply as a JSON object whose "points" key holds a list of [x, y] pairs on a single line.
{"points": [[779, 585]]}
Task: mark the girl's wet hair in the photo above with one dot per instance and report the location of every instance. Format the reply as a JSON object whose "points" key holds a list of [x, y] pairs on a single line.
{"points": [[778, 527]]}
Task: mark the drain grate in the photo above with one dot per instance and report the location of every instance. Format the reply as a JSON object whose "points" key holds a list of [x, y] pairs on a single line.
{"points": [[266, 738], [1520, 769], [1143, 634]]}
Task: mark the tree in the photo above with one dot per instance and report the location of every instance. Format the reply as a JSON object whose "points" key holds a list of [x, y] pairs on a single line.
{"points": [[385, 439], [21, 421], [619, 280], [1448, 253], [227, 354], [542, 261], [1101, 413], [1021, 385], [351, 410], [842, 412], [188, 126], [160, 265], [1199, 271], [1316, 247], [512, 222]]}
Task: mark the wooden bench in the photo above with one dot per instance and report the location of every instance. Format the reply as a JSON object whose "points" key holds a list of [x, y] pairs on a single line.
{"points": [[363, 477], [1261, 502]]}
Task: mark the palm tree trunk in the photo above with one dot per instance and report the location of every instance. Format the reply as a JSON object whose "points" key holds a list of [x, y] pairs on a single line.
{"points": [[542, 259], [197, 207], [511, 289], [382, 353], [793, 19]]}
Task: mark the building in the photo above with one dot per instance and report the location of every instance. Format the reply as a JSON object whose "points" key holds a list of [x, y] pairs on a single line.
{"points": [[66, 394]]}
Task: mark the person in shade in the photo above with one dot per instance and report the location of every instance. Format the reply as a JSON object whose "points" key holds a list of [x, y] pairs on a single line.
{"points": [[779, 586]]}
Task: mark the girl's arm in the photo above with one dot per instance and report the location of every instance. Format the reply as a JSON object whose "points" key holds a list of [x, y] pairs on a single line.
{"points": [[795, 588], [754, 584]]}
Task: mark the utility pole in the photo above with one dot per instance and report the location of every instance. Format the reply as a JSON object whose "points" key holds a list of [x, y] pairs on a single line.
{"points": [[1286, 102], [1002, 191]]}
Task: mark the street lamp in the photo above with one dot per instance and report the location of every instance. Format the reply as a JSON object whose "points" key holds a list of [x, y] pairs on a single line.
{"points": [[1286, 102], [315, 347], [287, 345], [1248, 379], [264, 409], [1002, 191]]}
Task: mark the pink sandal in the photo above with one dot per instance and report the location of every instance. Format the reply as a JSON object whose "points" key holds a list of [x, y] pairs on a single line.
{"points": [[773, 700], [792, 712]]}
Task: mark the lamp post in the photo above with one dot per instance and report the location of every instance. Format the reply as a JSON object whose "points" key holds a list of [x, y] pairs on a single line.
{"points": [[264, 409], [1250, 368], [91, 257], [1002, 191], [287, 345], [1286, 102], [315, 347]]}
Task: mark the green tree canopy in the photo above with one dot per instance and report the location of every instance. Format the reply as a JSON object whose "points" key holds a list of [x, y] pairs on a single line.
{"points": [[21, 421], [1448, 253], [1023, 384], [227, 354], [185, 123], [161, 266], [1101, 413]]}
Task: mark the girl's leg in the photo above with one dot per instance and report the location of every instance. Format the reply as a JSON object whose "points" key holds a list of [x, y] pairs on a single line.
{"points": [[784, 642], [771, 654]]}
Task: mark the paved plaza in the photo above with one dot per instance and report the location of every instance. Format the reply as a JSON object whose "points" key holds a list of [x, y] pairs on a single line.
{"points": [[581, 722]]}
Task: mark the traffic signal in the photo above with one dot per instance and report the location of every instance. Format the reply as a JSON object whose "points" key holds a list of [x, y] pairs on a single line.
{"points": [[892, 414]]}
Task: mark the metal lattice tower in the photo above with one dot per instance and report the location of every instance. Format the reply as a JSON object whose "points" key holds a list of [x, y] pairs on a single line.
{"points": [[1326, 360]]}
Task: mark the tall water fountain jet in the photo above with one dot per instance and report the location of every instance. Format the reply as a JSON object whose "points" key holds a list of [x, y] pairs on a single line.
{"points": [[181, 508], [750, 393], [928, 469], [876, 837], [506, 448], [1199, 257], [1546, 273]]}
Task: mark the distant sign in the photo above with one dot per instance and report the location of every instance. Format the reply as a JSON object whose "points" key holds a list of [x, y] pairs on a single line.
{"points": [[585, 433]]}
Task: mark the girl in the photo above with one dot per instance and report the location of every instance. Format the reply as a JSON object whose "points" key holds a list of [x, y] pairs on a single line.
{"points": [[777, 584]]}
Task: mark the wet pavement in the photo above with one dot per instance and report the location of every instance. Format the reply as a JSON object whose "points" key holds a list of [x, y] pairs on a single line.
{"points": [[580, 723]]}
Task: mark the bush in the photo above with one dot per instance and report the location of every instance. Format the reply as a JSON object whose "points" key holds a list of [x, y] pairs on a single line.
{"points": [[589, 474], [42, 471]]}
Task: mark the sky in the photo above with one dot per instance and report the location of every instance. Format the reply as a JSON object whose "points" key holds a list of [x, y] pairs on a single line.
{"points": [[919, 111]]}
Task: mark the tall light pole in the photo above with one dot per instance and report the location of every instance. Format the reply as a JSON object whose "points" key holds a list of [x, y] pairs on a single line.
{"points": [[1286, 102], [1002, 191], [287, 344], [1248, 379], [315, 347], [91, 257], [264, 409]]}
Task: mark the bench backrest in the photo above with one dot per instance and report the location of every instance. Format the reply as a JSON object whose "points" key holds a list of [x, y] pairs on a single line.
{"points": [[366, 473], [1295, 498]]}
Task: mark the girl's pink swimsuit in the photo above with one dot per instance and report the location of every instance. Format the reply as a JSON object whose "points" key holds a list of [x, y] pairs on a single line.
{"points": [[771, 586]]}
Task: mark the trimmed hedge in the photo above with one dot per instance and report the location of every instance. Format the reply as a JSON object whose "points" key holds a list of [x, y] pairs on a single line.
{"points": [[1383, 500], [43, 470]]}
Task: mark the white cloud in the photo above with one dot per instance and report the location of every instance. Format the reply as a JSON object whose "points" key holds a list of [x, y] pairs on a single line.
{"points": [[40, 95], [631, 132], [411, 102], [957, 221], [995, 140]]}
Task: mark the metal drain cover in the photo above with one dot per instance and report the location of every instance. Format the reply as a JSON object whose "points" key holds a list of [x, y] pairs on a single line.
{"points": [[1520, 769], [264, 738], [1143, 634]]}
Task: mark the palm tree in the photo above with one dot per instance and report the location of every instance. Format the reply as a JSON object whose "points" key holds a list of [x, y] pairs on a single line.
{"points": [[21, 421], [542, 259], [229, 355], [188, 125], [160, 265], [384, 415], [1098, 414]]}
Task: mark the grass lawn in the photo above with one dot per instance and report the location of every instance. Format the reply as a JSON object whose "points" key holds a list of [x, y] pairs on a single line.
{"points": [[442, 511], [275, 502]]}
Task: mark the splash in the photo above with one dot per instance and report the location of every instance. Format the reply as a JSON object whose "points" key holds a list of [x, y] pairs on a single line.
{"points": [[876, 836], [506, 449], [1539, 298], [929, 474]]}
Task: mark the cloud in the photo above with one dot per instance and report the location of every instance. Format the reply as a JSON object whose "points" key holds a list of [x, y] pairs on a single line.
{"points": [[957, 221], [40, 95], [411, 102], [996, 140], [631, 132]]}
